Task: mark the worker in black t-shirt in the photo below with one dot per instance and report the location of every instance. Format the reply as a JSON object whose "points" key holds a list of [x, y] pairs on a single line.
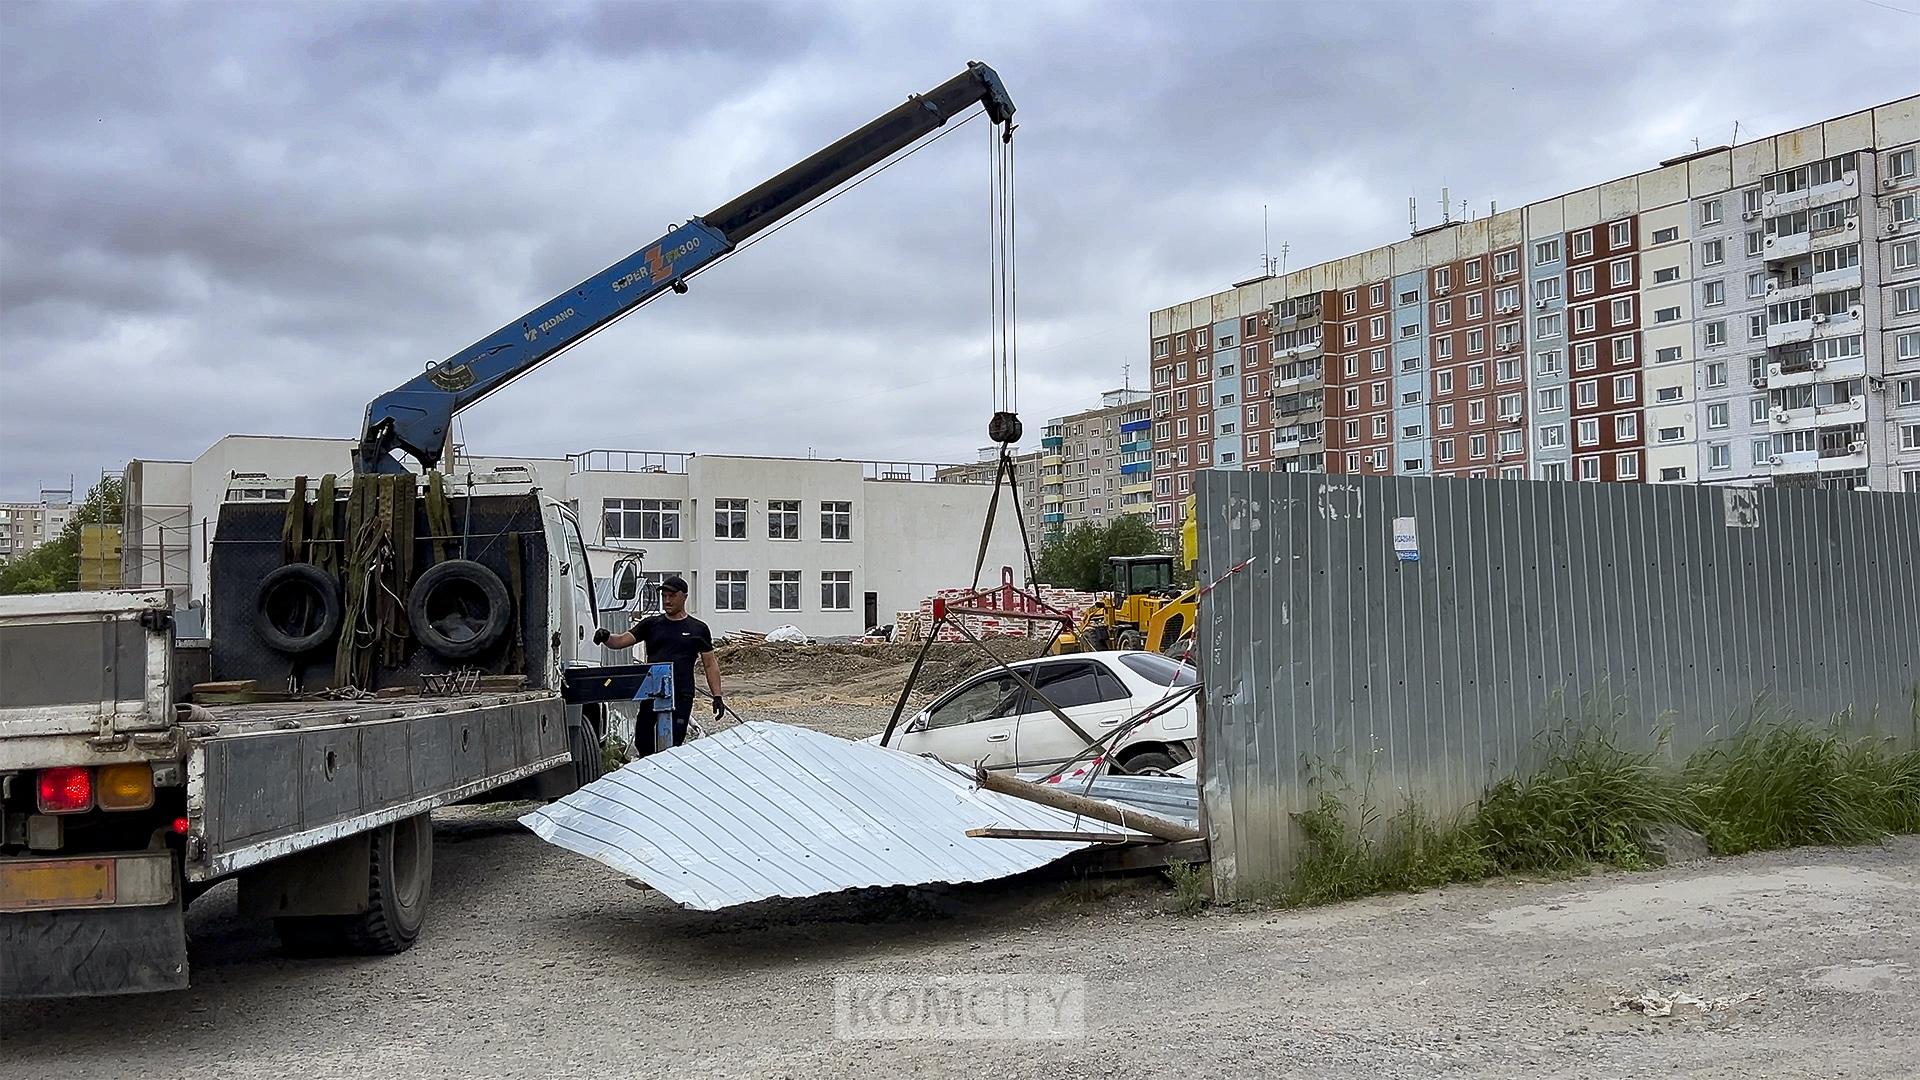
{"points": [[676, 638]]}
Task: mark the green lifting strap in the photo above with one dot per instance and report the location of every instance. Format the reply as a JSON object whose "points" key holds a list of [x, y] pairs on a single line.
{"points": [[326, 550]]}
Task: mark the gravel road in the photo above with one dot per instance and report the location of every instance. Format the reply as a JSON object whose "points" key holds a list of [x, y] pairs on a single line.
{"points": [[540, 964]]}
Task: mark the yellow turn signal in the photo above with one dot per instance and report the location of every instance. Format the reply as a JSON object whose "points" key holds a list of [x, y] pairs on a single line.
{"points": [[124, 787]]}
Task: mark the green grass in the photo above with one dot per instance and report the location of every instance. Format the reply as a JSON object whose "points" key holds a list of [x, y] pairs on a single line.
{"points": [[1192, 886], [1595, 802]]}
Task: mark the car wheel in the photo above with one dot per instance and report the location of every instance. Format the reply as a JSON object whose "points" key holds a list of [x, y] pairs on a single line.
{"points": [[1148, 763]]}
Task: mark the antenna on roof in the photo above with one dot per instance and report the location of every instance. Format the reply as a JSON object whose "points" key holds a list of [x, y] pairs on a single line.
{"points": [[1413, 214], [1446, 206], [1266, 249]]}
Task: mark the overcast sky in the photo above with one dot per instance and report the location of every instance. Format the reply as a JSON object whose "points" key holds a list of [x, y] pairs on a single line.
{"points": [[253, 218]]}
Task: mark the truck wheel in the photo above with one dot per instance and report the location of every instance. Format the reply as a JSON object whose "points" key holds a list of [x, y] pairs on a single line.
{"points": [[1131, 639], [399, 877], [399, 880], [584, 742], [297, 609], [459, 609]]}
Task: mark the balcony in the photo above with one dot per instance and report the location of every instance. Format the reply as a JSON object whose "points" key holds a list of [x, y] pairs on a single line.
{"points": [[1790, 246], [1136, 468], [1136, 425], [1052, 442], [1789, 333], [1048, 461], [1795, 462], [1052, 517], [1137, 446], [1050, 498], [1143, 487]]}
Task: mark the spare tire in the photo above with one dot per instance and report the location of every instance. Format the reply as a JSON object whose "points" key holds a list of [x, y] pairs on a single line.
{"points": [[297, 609], [459, 609]]}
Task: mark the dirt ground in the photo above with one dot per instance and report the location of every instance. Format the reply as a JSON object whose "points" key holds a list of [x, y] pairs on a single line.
{"points": [[538, 963]]}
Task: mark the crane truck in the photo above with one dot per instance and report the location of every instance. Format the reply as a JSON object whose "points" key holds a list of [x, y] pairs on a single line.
{"points": [[377, 649]]}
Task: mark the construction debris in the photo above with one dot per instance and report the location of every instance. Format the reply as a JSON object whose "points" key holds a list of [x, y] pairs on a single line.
{"points": [[763, 810]]}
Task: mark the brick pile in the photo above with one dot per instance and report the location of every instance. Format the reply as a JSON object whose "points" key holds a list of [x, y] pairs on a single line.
{"points": [[913, 625]]}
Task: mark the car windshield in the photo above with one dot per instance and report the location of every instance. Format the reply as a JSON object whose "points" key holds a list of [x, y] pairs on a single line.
{"points": [[1162, 670]]}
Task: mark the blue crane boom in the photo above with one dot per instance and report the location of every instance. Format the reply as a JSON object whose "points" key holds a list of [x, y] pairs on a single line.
{"points": [[416, 416]]}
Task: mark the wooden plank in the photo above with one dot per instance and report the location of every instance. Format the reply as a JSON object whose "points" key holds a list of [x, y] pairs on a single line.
{"points": [[1143, 856], [1059, 834], [229, 686]]}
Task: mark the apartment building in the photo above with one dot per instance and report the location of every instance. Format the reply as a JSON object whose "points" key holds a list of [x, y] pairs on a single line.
{"points": [[1743, 315], [1097, 463], [26, 525], [830, 546]]}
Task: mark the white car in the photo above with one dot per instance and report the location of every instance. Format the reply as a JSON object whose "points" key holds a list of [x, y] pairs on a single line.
{"points": [[991, 720]]}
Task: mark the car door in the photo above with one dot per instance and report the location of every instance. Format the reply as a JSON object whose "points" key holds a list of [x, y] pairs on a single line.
{"points": [[975, 724], [1083, 688]]}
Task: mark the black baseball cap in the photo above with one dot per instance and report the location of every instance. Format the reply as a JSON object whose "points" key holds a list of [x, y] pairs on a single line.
{"points": [[676, 583]]}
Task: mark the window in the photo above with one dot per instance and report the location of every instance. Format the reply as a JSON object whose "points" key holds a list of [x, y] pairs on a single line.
{"points": [[1582, 243], [1160, 347], [1756, 284], [1717, 373], [1443, 382], [1350, 301], [1673, 474], [1906, 254], [1378, 360], [1756, 243], [1200, 368], [1583, 281], [1908, 391], [1546, 251], [1473, 271], [729, 519], [1442, 350], [1377, 327], [1204, 425], [1379, 393], [1206, 453], [1353, 397], [1717, 415], [1900, 164], [836, 521], [1477, 303], [1907, 346], [1553, 470], [1673, 434], [1710, 212], [1553, 398], [1200, 338], [1590, 468], [729, 590], [1443, 313], [1476, 446], [1757, 326], [1225, 399], [1717, 332], [1713, 293], [1180, 399], [1477, 411], [1909, 437], [1667, 235], [1379, 427], [641, 519], [1377, 294], [1508, 370], [1411, 431], [836, 590], [1351, 366], [1757, 409], [1446, 451], [1584, 356], [1750, 202], [1411, 296], [1666, 315], [1625, 388], [1587, 394], [1350, 334], [1621, 271], [1906, 301], [1553, 436], [1585, 318], [1547, 288], [1547, 362], [1546, 326], [1411, 329], [783, 519], [1476, 342], [1626, 427], [1443, 277], [1506, 264], [1713, 252], [1476, 376], [1669, 355], [1626, 466], [1509, 406], [1509, 443], [1620, 233], [1444, 416], [1667, 394], [1664, 274], [1762, 449], [1623, 349], [1380, 459]]}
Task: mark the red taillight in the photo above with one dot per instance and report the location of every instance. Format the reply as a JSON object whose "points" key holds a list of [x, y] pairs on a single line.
{"points": [[66, 791], [181, 825]]}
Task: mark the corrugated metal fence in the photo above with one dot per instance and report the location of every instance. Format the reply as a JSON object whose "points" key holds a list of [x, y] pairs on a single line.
{"points": [[1417, 637]]}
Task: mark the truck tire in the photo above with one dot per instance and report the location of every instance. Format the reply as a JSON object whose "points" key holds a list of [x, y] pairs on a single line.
{"points": [[399, 879], [584, 742], [1132, 639], [459, 609], [297, 609], [1148, 763]]}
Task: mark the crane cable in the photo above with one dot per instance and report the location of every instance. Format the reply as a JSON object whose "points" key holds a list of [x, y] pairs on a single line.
{"points": [[1003, 343]]}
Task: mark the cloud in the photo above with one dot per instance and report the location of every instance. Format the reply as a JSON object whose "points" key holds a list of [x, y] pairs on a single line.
{"points": [[255, 218]]}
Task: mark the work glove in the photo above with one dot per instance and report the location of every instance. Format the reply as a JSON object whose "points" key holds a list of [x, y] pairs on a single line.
{"points": [[600, 636], [719, 707]]}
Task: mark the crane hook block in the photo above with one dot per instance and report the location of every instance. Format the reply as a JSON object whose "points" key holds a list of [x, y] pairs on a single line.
{"points": [[1004, 428]]}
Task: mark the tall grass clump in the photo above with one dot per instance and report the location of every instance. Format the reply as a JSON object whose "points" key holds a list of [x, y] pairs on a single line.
{"points": [[1592, 801], [1780, 785], [1346, 855]]}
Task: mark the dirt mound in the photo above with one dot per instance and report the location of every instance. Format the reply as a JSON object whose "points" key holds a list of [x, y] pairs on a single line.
{"points": [[857, 673]]}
